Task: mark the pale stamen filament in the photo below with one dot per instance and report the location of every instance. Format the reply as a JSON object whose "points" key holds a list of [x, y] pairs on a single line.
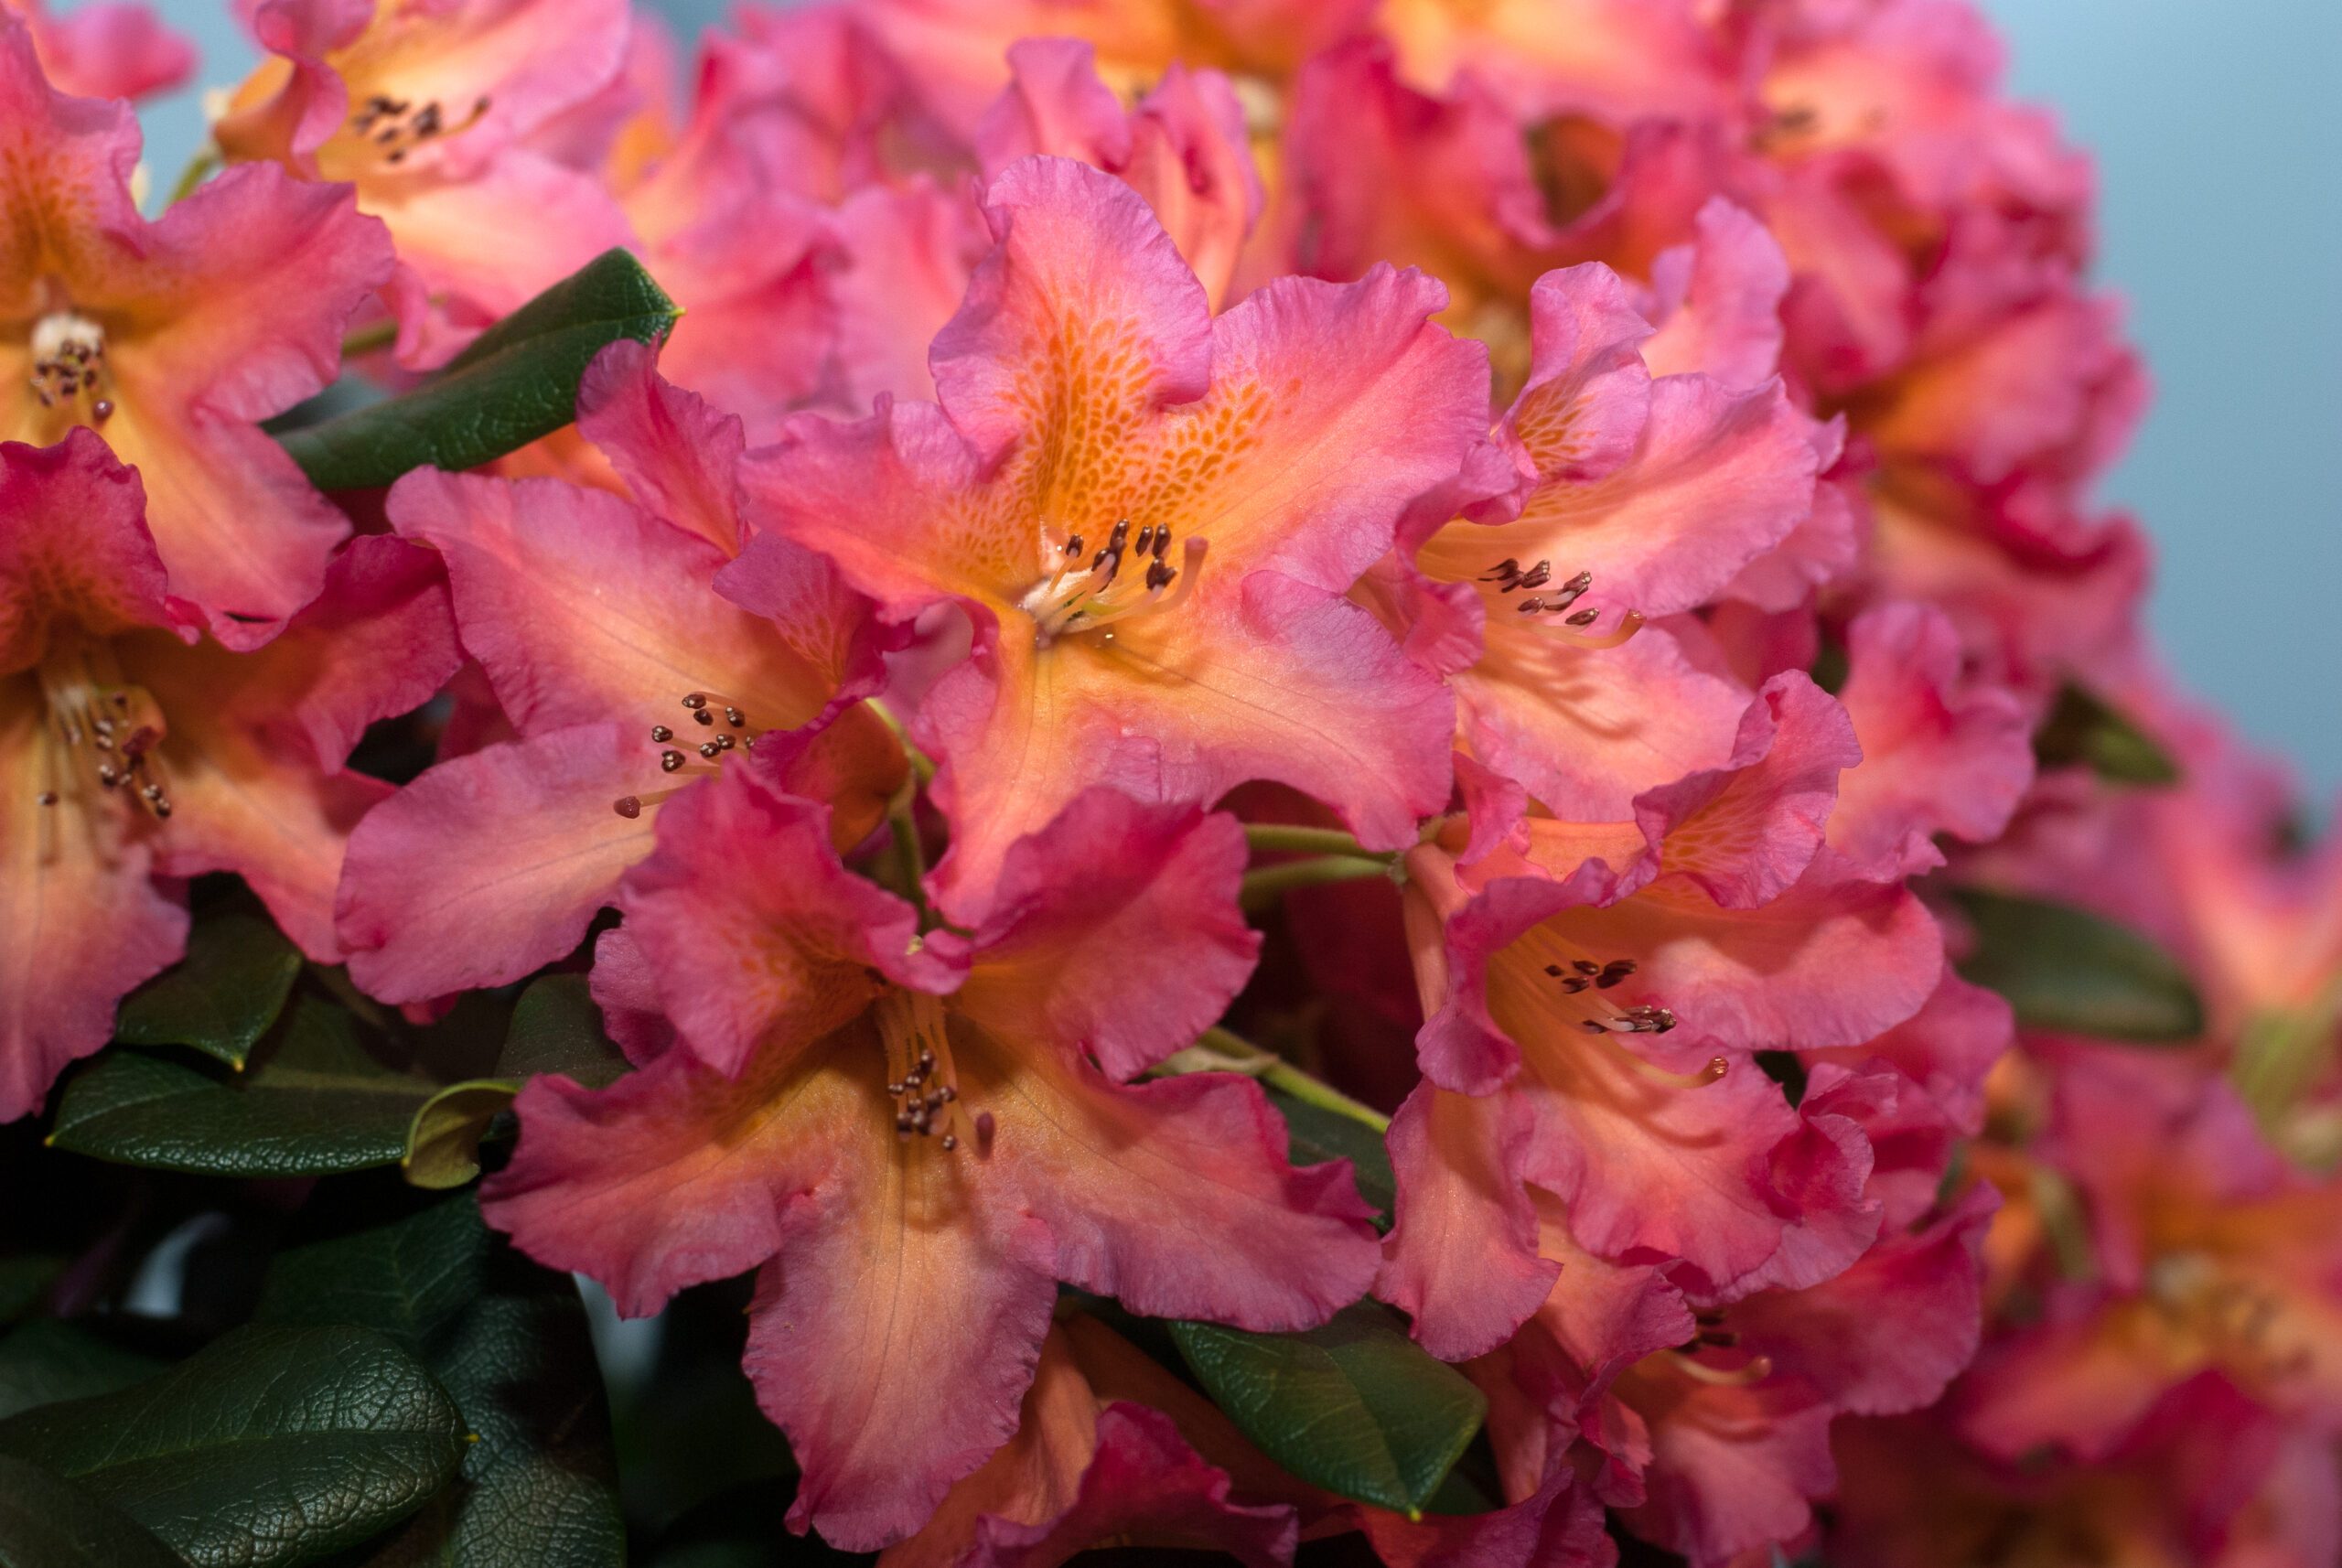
{"points": [[1748, 1375], [1584, 980], [102, 731], [721, 726], [1550, 610], [1076, 597], [397, 127], [69, 362]]}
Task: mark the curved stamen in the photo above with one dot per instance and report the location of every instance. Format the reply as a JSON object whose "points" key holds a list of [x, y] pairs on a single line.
{"points": [[1077, 597]]}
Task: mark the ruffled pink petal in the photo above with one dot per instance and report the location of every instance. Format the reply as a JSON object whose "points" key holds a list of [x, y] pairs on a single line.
{"points": [[1113, 931], [1684, 1169], [1088, 1169], [81, 919], [1293, 686], [1946, 1048], [1462, 1259], [1941, 753], [75, 554], [678, 456], [379, 640], [1143, 1484], [240, 527], [112, 51], [1732, 1468], [1890, 1333], [530, 563], [760, 324], [1587, 730], [625, 988], [1184, 147], [1744, 834], [246, 795], [756, 929], [488, 865], [673, 1174], [907, 258], [1560, 1525], [1065, 231], [1719, 300]]}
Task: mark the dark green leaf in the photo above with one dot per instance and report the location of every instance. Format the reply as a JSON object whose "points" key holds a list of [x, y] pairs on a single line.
{"points": [[313, 1104], [47, 1360], [2083, 730], [1354, 1407], [46, 1522], [270, 1447], [1313, 1135], [517, 382], [508, 1341], [25, 1281], [222, 997], [555, 1028], [2066, 970]]}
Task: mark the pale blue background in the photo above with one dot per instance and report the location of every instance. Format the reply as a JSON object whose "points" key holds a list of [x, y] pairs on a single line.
{"points": [[2216, 127]]}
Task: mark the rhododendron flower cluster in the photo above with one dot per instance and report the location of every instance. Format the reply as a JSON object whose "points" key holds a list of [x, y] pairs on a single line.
{"points": [[1362, 771]]}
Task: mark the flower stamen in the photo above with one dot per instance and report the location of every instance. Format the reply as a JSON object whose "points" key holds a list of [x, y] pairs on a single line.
{"points": [[1551, 612], [69, 361], [1074, 598], [395, 127]]}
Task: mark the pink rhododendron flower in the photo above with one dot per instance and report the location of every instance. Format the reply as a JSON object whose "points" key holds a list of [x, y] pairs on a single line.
{"points": [[1149, 515], [429, 112], [494, 862], [136, 748], [921, 1139], [1632, 498], [2213, 1255], [175, 338]]}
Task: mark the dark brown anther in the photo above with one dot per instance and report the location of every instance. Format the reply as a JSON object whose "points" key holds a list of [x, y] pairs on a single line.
{"points": [[926, 1059], [108, 775], [669, 761], [1529, 605], [904, 1126], [662, 733], [1555, 969], [1506, 570], [1146, 540], [1072, 545], [695, 700], [1586, 966], [1573, 985], [710, 750], [47, 797], [1536, 577], [628, 806], [1162, 541], [950, 1142], [1158, 576], [1591, 1026], [734, 717], [152, 793], [985, 1128], [725, 743], [162, 810], [101, 411], [949, 1094], [1584, 617], [701, 716]]}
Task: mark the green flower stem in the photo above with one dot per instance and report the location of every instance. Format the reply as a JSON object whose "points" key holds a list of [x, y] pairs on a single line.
{"points": [[1267, 884], [910, 858], [1276, 837], [1220, 1050], [368, 338], [923, 766], [199, 168]]}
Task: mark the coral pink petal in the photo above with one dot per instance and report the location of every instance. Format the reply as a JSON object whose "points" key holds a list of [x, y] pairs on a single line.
{"points": [[1114, 933], [679, 455], [488, 865], [1462, 1260]]}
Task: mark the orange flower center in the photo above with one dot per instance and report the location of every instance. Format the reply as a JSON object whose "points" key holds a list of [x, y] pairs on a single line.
{"points": [[70, 365], [101, 733], [1125, 577], [920, 1076]]}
